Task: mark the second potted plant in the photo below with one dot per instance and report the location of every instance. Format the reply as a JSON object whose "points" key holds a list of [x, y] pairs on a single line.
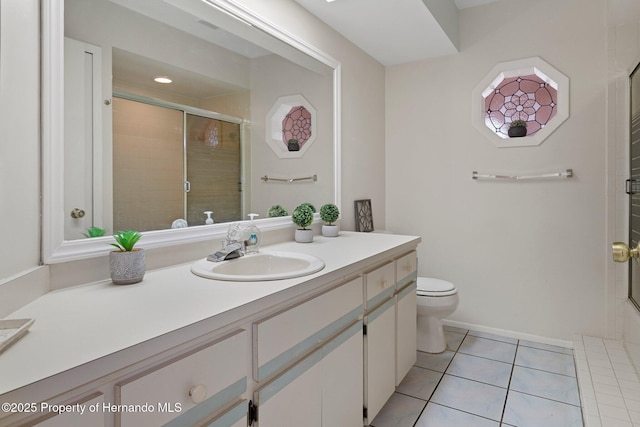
{"points": [[329, 213], [126, 264], [302, 216], [517, 128]]}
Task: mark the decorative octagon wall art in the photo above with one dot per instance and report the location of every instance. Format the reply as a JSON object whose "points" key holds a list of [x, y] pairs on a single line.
{"points": [[291, 118], [528, 92]]}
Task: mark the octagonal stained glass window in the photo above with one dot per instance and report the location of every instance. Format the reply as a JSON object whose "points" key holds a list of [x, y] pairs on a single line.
{"points": [[291, 117], [527, 98], [297, 125], [529, 90]]}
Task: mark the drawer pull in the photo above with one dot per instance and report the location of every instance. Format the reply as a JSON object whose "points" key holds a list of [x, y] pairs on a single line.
{"points": [[198, 393], [383, 284]]}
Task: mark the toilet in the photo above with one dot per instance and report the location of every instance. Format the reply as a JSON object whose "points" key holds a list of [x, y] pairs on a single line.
{"points": [[437, 299]]}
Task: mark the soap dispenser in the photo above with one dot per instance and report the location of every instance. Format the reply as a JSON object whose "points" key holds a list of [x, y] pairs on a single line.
{"points": [[253, 236], [209, 220]]}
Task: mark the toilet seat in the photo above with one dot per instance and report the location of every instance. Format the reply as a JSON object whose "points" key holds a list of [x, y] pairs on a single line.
{"points": [[430, 287]]}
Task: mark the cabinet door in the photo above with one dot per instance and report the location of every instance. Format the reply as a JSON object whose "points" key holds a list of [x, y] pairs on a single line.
{"points": [[293, 399], [289, 335], [323, 390], [406, 322], [235, 417], [380, 353], [342, 368]]}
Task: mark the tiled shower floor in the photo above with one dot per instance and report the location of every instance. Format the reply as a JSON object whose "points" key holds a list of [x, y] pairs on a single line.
{"points": [[485, 380]]}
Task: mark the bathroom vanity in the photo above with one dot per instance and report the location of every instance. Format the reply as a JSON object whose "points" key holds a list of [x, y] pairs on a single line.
{"points": [[176, 349]]}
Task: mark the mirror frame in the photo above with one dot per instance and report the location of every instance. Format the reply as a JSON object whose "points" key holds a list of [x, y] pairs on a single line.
{"points": [[54, 248]]}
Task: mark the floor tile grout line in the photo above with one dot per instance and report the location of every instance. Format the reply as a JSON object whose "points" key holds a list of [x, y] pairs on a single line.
{"points": [[466, 412], [506, 396], [575, 377], [484, 357], [441, 377]]}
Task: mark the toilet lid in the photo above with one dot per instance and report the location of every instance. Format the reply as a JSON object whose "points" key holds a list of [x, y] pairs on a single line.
{"points": [[428, 286]]}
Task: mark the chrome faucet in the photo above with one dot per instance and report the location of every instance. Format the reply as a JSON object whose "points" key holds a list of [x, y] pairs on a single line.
{"points": [[232, 246]]}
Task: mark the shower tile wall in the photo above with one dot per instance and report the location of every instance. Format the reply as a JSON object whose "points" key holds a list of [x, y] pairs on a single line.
{"points": [[147, 166]]}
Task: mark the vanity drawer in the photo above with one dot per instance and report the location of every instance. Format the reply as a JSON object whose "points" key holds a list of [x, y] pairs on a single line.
{"points": [[380, 284], [207, 379], [287, 336], [406, 268]]}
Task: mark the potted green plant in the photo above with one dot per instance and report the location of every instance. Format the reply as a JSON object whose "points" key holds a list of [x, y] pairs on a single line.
{"points": [[302, 216], [517, 128], [330, 213], [310, 206], [277, 210], [126, 263], [293, 145], [94, 232]]}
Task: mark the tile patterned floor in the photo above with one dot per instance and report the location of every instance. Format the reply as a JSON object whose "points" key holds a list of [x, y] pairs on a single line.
{"points": [[485, 380]]}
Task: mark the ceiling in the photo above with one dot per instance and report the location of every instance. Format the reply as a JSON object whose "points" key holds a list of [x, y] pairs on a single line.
{"points": [[395, 31]]}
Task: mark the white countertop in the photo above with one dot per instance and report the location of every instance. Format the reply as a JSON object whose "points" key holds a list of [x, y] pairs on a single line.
{"points": [[78, 325]]}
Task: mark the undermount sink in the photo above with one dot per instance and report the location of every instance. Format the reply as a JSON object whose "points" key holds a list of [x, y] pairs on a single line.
{"points": [[265, 265]]}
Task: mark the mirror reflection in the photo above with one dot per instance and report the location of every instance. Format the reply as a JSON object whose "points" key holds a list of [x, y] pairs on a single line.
{"points": [[147, 155]]}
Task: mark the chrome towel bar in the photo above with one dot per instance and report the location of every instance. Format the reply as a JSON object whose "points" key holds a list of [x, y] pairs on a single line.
{"points": [[306, 178], [566, 174]]}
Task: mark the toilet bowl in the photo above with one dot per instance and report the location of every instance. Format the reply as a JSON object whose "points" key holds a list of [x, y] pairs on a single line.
{"points": [[437, 299]]}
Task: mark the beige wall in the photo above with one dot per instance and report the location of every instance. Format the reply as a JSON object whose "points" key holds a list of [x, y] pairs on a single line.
{"points": [[19, 137], [526, 257]]}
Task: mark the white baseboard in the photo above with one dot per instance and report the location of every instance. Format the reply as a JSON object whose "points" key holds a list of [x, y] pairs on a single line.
{"points": [[508, 333]]}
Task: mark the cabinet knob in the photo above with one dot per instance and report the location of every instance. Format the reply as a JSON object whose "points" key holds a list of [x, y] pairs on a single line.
{"points": [[198, 393], [383, 284]]}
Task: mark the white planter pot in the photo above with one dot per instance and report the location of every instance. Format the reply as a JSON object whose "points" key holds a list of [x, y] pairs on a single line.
{"points": [[304, 236], [127, 268], [330, 230]]}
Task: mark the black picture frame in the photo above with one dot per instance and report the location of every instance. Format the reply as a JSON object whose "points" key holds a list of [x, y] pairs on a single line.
{"points": [[364, 215]]}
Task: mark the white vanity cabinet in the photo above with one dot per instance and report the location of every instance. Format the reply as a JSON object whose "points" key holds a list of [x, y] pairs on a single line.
{"points": [[272, 354], [308, 362]]}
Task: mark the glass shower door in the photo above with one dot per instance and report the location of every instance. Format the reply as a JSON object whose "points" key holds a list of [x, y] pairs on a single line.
{"points": [[633, 186], [213, 170]]}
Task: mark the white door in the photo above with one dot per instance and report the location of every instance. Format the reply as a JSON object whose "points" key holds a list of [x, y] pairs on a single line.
{"points": [[82, 135]]}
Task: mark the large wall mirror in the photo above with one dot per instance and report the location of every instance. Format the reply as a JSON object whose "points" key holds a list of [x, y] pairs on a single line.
{"points": [[124, 151]]}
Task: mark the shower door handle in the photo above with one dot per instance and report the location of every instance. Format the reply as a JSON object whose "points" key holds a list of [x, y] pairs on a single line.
{"points": [[187, 186], [622, 252]]}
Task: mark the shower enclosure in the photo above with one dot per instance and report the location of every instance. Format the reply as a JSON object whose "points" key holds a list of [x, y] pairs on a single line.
{"points": [[173, 163], [633, 184]]}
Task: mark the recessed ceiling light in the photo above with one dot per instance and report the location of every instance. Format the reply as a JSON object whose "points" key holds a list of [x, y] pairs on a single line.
{"points": [[163, 79]]}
